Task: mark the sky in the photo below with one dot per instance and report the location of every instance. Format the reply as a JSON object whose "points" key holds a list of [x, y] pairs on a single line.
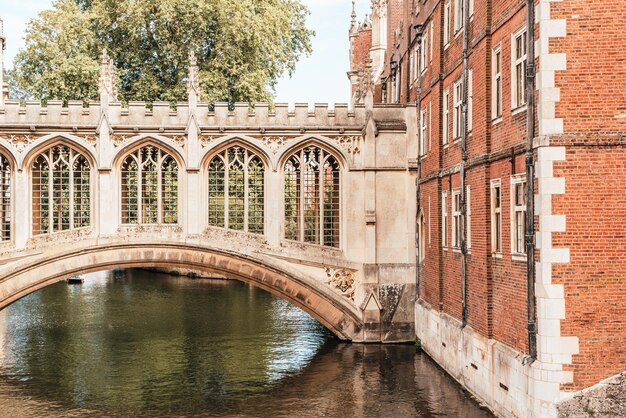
{"points": [[319, 78]]}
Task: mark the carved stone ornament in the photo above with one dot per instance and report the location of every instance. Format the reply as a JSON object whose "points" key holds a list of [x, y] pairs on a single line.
{"points": [[350, 143], [119, 139], [91, 139], [21, 142], [365, 81], [274, 143], [179, 139], [206, 140], [341, 280], [379, 8]]}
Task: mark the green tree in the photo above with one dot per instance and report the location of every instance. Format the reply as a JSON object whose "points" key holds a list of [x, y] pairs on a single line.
{"points": [[242, 47]]}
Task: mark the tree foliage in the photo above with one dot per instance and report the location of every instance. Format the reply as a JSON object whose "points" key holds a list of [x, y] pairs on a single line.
{"points": [[242, 47]]}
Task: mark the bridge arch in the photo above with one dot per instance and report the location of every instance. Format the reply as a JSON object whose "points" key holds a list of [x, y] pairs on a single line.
{"points": [[36, 272]]}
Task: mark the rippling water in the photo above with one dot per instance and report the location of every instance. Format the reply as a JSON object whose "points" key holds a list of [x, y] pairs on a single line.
{"points": [[146, 344]]}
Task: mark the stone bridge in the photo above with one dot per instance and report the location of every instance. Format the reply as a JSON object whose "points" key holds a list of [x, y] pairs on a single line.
{"points": [[314, 205]]}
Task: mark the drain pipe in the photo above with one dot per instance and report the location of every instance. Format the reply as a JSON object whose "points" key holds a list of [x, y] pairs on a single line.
{"points": [[418, 196], [464, 112], [530, 177]]}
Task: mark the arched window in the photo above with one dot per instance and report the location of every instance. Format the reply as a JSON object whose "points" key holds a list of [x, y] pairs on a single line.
{"points": [[149, 187], [5, 199], [312, 197], [61, 190], [236, 193]]}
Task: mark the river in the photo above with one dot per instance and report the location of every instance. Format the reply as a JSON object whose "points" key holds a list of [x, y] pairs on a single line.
{"points": [[141, 343]]}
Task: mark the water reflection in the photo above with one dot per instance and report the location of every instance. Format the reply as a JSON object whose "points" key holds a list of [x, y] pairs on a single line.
{"points": [[141, 343]]}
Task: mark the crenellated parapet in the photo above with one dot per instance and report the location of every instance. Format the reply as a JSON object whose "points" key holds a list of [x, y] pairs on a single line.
{"points": [[162, 114]]}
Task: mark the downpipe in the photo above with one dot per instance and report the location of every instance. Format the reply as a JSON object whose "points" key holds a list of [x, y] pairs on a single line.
{"points": [[529, 233], [418, 186], [464, 112]]}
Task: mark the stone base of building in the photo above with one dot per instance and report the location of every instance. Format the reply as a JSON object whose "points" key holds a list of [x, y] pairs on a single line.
{"points": [[504, 379]]}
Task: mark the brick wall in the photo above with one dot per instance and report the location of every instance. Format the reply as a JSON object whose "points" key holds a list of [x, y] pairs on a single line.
{"points": [[593, 108], [592, 105]]}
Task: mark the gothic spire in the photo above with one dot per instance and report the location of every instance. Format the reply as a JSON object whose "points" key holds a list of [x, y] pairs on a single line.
{"points": [[107, 85], [193, 85], [353, 24]]}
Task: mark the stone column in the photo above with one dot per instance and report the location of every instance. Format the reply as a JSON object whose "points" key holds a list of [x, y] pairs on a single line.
{"points": [[274, 207], [22, 217], [107, 197]]}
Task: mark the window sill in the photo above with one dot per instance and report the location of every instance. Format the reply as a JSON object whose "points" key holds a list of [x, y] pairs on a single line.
{"points": [[446, 46], [456, 250], [496, 121], [518, 257], [518, 110], [496, 255], [458, 32]]}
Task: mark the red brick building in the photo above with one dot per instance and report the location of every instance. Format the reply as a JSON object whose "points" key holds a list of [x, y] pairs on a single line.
{"points": [[524, 314]]}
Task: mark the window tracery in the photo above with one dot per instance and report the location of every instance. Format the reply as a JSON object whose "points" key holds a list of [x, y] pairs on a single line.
{"points": [[236, 190], [312, 197], [5, 199], [149, 187], [61, 190]]}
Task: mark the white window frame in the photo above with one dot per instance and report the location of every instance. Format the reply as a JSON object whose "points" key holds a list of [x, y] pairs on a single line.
{"points": [[518, 71], [496, 80], [424, 53], [432, 36], [447, 13], [456, 219], [470, 101], [459, 18], [468, 217], [416, 63], [496, 214], [457, 111], [446, 118], [444, 219], [421, 247], [518, 215], [423, 132], [411, 71]]}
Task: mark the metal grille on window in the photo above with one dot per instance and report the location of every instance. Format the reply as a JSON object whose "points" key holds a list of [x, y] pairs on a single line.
{"points": [[149, 187], [5, 207], [312, 197], [236, 190], [61, 191]]}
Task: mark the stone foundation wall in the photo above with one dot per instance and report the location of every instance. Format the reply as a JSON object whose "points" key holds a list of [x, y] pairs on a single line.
{"points": [[499, 376]]}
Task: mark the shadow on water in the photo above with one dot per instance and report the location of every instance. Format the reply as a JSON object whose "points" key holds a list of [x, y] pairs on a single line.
{"points": [[146, 344]]}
